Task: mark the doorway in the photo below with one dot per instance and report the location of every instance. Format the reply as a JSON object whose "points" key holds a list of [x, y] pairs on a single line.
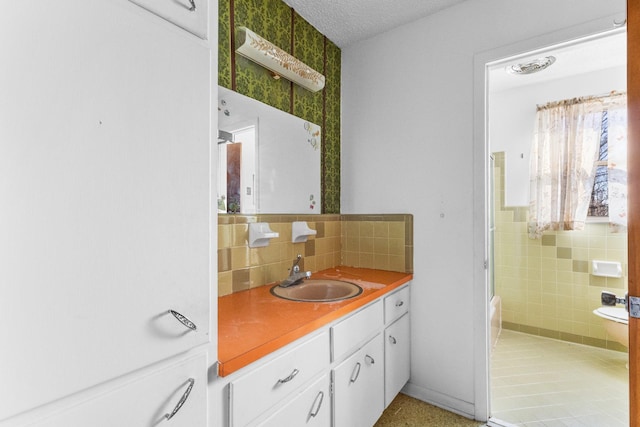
{"points": [[545, 287]]}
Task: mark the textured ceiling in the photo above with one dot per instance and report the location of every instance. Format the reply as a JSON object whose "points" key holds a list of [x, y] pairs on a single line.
{"points": [[347, 21]]}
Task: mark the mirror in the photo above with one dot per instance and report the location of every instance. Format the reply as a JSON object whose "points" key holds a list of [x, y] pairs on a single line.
{"points": [[269, 160]]}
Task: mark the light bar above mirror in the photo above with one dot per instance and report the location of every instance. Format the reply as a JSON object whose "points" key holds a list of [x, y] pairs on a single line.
{"points": [[264, 53]]}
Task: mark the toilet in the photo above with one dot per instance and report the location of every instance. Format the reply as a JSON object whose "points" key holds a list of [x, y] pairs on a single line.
{"points": [[616, 323]]}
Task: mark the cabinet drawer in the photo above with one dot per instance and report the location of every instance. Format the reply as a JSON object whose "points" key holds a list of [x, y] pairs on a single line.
{"points": [[352, 332], [396, 304], [190, 15], [263, 387], [146, 401], [310, 408]]}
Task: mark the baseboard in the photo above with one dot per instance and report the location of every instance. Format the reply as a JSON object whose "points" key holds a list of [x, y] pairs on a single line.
{"points": [[440, 400]]}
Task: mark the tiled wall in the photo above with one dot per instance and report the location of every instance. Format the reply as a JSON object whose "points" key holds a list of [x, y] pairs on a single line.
{"points": [[282, 26], [383, 242], [370, 241], [545, 284]]}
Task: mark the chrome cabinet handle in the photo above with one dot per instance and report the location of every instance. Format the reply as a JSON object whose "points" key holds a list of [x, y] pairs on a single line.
{"points": [[184, 320], [369, 359], [356, 373], [193, 6], [399, 303], [289, 378], [183, 399], [321, 397], [392, 340]]}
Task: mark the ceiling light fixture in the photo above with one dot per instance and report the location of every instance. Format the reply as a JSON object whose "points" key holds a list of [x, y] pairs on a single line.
{"points": [[264, 53], [531, 67]]}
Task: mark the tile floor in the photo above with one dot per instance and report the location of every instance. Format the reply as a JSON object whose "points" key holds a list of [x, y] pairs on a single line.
{"points": [[541, 382]]}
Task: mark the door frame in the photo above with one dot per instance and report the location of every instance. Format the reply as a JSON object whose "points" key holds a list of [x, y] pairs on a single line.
{"points": [[633, 167], [481, 193]]}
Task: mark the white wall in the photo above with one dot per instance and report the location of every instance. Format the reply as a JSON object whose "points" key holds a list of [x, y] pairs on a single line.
{"points": [[512, 119], [408, 134]]}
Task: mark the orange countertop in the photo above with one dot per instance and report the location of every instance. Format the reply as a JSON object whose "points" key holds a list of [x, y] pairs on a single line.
{"points": [[254, 323]]}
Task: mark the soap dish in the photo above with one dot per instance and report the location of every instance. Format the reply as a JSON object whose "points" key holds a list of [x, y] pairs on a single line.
{"points": [[260, 234], [300, 231]]}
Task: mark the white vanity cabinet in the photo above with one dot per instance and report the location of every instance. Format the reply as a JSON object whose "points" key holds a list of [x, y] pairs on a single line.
{"points": [[389, 318], [104, 122], [358, 386], [342, 375], [397, 343], [358, 377]]}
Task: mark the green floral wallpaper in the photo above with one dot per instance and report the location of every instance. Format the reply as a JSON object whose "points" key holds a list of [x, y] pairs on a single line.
{"points": [[331, 132], [224, 39], [281, 25], [307, 43]]}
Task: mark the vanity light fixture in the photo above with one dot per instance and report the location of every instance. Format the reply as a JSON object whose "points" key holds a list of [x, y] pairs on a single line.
{"points": [[533, 66], [264, 53]]}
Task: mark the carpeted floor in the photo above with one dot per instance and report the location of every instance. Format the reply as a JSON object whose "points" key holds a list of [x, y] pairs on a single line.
{"points": [[406, 411]]}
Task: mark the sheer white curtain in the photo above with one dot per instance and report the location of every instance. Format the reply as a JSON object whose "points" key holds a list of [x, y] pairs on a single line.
{"points": [[617, 162], [562, 170]]}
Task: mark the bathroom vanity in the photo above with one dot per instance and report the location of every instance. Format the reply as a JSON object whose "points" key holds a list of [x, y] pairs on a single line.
{"points": [[298, 363]]}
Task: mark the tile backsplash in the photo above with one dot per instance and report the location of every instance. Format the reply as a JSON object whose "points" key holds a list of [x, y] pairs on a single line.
{"points": [[383, 242]]}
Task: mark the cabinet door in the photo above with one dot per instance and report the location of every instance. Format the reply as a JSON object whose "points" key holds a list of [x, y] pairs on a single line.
{"points": [[104, 188], [359, 386], [397, 358], [180, 390], [311, 407]]}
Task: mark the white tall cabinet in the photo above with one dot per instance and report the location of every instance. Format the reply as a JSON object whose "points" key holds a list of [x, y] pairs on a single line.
{"points": [[105, 216]]}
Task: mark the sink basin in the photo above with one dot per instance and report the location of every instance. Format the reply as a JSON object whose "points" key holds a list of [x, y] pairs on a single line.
{"points": [[318, 290]]}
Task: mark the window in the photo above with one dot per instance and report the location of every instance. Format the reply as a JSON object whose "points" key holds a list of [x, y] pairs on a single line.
{"points": [[578, 164], [599, 205]]}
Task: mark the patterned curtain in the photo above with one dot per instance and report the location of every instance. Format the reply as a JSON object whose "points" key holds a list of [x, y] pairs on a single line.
{"points": [[562, 170], [617, 162]]}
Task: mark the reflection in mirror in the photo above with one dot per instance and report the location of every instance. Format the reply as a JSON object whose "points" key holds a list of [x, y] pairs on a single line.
{"points": [[237, 169], [269, 160]]}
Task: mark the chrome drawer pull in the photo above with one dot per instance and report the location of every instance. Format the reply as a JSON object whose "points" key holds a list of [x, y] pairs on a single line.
{"points": [[392, 340], [321, 396], [289, 378], [399, 303], [356, 373], [183, 399], [369, 359], [193, 6], [184, 320]]}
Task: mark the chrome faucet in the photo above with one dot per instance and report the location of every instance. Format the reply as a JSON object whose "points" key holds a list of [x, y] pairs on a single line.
{"points": [[295, 276]]}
